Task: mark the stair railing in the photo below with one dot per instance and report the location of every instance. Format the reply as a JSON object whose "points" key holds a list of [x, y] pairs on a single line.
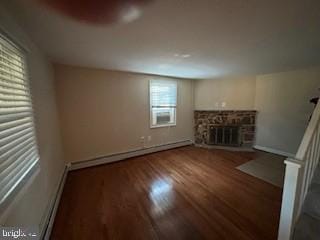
{"points": [[298, 176]]}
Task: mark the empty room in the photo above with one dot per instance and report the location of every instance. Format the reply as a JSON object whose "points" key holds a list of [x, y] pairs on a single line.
{"points": [[159, 119]]}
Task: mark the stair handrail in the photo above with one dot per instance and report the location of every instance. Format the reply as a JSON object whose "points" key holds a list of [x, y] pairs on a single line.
{"points": [[309, 133], [298, 176]]}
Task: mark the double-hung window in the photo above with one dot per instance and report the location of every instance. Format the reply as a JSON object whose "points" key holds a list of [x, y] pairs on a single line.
{"points": [[163, 103], [18, 148]]}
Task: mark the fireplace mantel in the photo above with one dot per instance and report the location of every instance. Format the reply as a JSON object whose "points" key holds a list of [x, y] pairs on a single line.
{"points": [[246, 119]]}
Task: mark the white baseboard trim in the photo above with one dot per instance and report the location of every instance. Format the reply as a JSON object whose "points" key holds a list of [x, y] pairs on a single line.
{"points": [[46, 232], [125, 155], [275, 151]]}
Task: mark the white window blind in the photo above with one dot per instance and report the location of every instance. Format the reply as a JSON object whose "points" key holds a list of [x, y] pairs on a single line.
{"points": [[163, 103], [18, 149]]}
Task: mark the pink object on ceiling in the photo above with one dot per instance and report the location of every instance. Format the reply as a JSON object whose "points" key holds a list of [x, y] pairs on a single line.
{"points": [[97, 11]]}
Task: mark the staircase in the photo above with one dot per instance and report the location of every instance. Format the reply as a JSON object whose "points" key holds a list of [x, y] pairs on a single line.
{"points": [[300, 211], [308, 225]]}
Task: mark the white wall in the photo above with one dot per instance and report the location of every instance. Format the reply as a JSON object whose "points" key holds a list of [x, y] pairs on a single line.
{"points": [[105, 112], [282, 101], [31, 205], [233, 93]]}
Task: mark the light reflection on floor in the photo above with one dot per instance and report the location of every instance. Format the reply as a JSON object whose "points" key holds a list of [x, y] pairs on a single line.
{"points": [[162, 196]]}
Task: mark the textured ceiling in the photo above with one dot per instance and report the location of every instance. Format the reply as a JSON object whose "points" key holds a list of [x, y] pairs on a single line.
{"points": [[222, 37]]}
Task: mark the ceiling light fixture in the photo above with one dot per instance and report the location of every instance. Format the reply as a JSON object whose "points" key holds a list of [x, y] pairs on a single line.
{"points": [[130, 14], [182, 55]]}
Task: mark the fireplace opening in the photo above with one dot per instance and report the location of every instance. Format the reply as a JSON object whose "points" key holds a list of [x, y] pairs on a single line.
{"points": [[224, 135]]}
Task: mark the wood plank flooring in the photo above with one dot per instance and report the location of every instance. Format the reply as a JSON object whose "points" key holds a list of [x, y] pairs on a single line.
{"points": [[184, 193]]}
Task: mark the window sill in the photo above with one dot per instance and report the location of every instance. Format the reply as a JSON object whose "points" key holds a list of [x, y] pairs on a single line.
{"points": [[164, 125]]}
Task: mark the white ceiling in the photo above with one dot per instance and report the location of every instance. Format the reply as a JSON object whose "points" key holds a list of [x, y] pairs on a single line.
{"points": [[223, 37]]}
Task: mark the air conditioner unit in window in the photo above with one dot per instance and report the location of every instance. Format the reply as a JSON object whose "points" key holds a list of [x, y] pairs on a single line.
{"points": [[163, 117]]}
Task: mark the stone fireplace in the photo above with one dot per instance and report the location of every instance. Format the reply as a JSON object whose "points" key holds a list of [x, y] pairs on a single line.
{"points": [[225, 128]]}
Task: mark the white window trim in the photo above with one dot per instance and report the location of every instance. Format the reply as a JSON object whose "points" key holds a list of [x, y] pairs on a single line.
{"points": [[21, 45], [150, 109]]}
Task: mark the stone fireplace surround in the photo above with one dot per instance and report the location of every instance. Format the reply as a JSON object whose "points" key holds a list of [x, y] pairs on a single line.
{"points": [[245, 119]]}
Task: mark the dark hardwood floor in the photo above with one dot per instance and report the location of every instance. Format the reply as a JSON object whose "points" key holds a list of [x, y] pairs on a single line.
{"points": [[184, 193]]}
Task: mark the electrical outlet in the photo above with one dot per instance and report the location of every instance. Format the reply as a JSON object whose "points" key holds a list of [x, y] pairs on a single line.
{"points": [[142, 139], [149, 138]]}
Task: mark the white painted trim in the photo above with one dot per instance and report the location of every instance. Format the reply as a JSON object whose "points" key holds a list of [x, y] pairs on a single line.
{"points": [[291, 161], [47, 227], [289, 198], [11, 37], [224, 110], [150, 107], [309, 133], [164, 125], [125, 155], [275, 151]]}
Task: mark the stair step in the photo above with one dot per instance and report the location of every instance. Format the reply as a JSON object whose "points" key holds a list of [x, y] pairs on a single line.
{"points": [[316, 177], [311, 205], [307, 228]]}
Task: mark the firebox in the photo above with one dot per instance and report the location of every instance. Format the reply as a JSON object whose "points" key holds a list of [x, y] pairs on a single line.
{"points": [[224, 135]]}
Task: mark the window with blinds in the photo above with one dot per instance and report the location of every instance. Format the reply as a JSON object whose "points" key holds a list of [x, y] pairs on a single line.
{"points": [[18, 148], [163, 103]]}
